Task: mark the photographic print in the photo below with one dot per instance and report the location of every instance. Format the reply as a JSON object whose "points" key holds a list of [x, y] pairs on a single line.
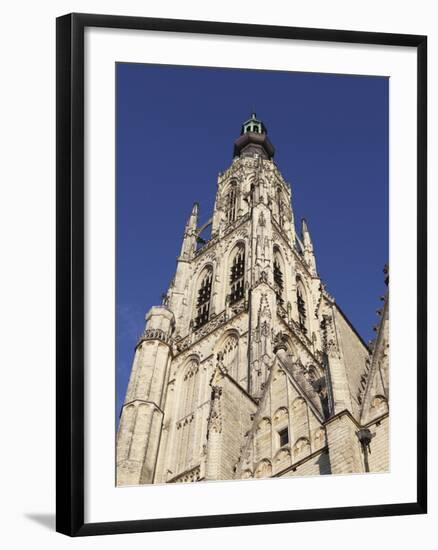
{"points": [[252, 305]]}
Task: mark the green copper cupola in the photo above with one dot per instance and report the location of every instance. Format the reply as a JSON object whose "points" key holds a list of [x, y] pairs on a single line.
{"points": [[253, 140], [253, 124]]}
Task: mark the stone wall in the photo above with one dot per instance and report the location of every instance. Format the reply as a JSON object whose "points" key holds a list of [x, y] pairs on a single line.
{"points": [[232, 414], [355, 355], [344, 447], [317, 464], [378, 457]]}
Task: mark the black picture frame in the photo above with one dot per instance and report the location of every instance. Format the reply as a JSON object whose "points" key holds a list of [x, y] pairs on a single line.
{"points": [[70, 273]]}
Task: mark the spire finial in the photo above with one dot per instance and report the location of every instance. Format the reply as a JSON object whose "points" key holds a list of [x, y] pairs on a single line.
{"points": [[305, 234]]}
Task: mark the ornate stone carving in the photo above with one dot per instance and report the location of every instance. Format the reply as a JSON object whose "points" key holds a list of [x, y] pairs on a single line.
{"points": [[215, 322], [280, 342], [190, 476], [329, 340], [153, 334], [215, 417]]}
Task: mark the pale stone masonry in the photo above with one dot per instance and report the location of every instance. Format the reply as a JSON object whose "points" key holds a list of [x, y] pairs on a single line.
{"points": [[249, 368]]}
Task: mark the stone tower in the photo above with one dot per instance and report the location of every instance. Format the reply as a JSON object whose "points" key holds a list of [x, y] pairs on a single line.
{"points": [[249, 368]]}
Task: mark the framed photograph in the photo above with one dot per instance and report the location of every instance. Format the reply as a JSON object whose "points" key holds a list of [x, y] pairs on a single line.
{"points": [[241, 274]]}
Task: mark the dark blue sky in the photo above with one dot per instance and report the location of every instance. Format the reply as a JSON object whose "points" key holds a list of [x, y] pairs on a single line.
{"points": [[175, 131]]}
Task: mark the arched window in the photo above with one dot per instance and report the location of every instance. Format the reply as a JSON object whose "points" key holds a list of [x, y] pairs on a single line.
{"points": [[278, 278], [301, 304], [186, 417], [230, 351], [190, 388], [203, 298], [232, 202], [237, 276]]}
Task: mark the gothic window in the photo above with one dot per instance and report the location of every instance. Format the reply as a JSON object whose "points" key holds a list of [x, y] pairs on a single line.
{"points": [[203, 299], [237, 276], [301, 305], [190, 387], [230, 352], [278, 279], [232, 203], [186, 424]]}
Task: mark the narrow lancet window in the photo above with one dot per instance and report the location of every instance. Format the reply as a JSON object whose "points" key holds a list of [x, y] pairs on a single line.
{"points": [[237, 276], [232, 203], [231, 356], [187, 418], [301, 304], [278, 281], [203, 299]]}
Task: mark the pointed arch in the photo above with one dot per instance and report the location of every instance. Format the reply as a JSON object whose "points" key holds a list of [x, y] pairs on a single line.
{"points": [[301, 448], [282, 458], [278, 276], [187, 421], [302, 305], [291, 352], [313, 372], [281, 415], [231, 201], [189, 387], [280, 206], [264, 469], [230, 354], [203, 297], [237, 273]]}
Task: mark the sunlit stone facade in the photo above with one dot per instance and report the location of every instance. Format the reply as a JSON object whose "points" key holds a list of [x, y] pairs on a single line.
{"points": [[249, 368]]}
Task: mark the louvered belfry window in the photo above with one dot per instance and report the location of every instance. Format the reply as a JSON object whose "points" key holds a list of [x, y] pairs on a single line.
{"points": [[278, 280], [203, 300], [237, 277], [301, 304]]}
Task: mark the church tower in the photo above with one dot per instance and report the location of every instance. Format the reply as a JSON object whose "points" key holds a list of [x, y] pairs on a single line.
{"points": [[249, 368]]}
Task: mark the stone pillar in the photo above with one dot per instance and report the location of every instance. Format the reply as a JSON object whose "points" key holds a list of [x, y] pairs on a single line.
{"points": [[214, 435], [344, 447], [262, 298], [141, 420]]}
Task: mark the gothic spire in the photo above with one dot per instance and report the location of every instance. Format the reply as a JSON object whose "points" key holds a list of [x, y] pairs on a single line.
{"points": [[189, 240], [309, 256], [305, 234], [192, 222]]}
